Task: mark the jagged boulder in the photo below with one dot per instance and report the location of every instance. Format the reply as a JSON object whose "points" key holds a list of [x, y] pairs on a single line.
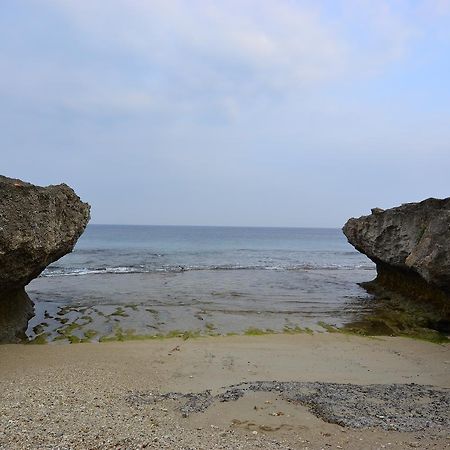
{"points": [[38, 225], [410, 245]]}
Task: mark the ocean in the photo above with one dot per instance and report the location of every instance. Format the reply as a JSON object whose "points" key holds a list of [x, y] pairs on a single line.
{"points": [[154, 280]]}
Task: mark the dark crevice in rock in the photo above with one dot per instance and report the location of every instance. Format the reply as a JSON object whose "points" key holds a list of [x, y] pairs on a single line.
{"points": [[16, 309]]}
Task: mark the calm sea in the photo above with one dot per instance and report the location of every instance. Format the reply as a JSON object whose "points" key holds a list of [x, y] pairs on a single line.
{"points": [[155, 279]]}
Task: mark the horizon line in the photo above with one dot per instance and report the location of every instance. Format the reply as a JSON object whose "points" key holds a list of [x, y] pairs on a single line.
{"points": [[212, 226]]}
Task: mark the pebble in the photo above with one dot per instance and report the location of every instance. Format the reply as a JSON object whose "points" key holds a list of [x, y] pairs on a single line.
{"points": [[123, 420]]}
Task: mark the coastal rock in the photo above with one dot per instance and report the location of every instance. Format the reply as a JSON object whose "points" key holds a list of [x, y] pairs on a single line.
{"points": [[38, 225], [410, 246], [16, 309]]}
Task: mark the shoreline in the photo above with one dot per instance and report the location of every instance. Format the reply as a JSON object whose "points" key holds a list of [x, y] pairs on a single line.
{"points": [[223, 307], [78, 394], [222, 301], [371, 326]]}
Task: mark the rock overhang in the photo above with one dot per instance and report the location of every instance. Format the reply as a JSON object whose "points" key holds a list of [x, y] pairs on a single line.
{"points": [[38, 225], [410, 244]]}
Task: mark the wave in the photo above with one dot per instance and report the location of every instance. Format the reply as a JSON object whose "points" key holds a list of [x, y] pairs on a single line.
{"points": [[111, 251], [57, 271]]}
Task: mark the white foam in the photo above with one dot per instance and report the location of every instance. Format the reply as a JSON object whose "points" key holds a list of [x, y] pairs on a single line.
{"points": [[72, 271]]}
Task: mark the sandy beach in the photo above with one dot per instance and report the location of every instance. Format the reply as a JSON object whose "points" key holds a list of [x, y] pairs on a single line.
{"points": [[225, 225], [111, 395]]}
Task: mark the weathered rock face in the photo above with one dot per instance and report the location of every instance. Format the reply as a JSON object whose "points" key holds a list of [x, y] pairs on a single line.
{"points": [[410, 245], [16, 309], [38, 225]]}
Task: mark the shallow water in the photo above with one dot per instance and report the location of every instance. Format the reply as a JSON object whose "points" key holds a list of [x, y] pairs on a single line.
{"points": [[153, 280]]}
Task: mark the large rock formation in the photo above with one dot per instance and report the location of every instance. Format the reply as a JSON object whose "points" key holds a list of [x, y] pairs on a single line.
{"points": [[38, 225], [410, 245]]}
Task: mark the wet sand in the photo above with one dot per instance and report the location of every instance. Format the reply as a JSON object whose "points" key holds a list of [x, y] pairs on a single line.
{"points": [[80, 396]]}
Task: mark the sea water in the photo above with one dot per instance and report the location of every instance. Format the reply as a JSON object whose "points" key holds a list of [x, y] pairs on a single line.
{"points": [[155, 279]]}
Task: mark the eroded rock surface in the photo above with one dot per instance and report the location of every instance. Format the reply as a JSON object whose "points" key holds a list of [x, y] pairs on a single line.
{"points": [[410, 245], [38, 225]]}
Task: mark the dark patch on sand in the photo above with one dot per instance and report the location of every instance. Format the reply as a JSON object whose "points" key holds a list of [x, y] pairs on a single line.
{"points": [[397, 407]]}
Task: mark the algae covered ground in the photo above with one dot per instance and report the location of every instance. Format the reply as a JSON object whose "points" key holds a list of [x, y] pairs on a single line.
{"points": [[391, 317], [381, 313]]}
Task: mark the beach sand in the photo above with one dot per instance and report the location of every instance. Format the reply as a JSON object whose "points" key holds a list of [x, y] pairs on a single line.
{"points": [[99, 395]]}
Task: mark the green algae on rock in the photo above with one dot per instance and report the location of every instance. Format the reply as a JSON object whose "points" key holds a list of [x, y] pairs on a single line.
{"points": [[410, 246]]}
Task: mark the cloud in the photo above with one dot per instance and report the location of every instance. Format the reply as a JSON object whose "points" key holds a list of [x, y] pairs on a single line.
{"points": [[438, 7], [199, 56], [236, 101], [214, 62]]}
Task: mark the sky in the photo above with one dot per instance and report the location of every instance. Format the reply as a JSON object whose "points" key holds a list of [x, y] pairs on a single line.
{"points": [[253, 113]]}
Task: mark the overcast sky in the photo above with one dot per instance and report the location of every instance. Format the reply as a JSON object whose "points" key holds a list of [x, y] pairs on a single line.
{"points": [[270, 113]]}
